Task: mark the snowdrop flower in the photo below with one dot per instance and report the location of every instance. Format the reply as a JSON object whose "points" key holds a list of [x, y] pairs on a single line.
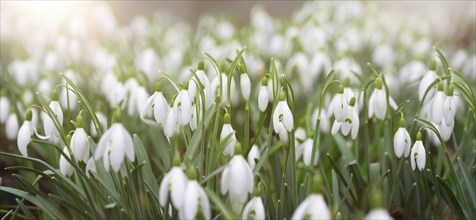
{"points": [[4, 108], [174, 183], [226, 131], [339, 105], [437, 105], [378, 214], [171, 122], [195, 199], [402, 141], [263, 95], [206, 84], [378, 101], [351, 123], [283, 121], [195, 118], [158, 104], [49, 126], [137, 97], [90, 166], [237, 180], [449, 107], [183, 106], [245, 85], [253, 156], [24, 134], [65, 167], [313, 207], [11, 127], [102, 123], [79, 141], [254, 209], [223, 91], [418, 154], [445, 130], [427, 79], [307, 155], [115, 144]]}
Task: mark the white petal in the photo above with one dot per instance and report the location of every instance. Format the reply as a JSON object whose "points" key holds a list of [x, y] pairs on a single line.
{"points": [[102, 144], [307, 145], [185, 110], [300, 212], [128, 144], [421, 159], [164, 189], [318, 208], [378, 214], [79, 145], [171, 123], [90, 166], [245, 85], [263, 98], [147, 106], [288, 120], [4, 109], [161, 108], [65, 167], [408, 143], [276, 114], [205, 203], [190, 205], [380, 104], [449, 110], [340, 108], [252, 155], [178, 185], [225, 179], [436, 111], [336, 127], [24, 137], [192, 89], [117, 149], [11, 127], [399, 144], [371, 104], [355, 124], [446, 130]]}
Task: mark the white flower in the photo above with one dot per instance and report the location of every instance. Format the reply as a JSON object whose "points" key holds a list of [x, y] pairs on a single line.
{"points": [[171, 122], [137, 98], [282, 117], [299, 137], [24, 134], [90, 166], [65, 167], [158, 104], [254, 209], [192, 89], [402, 141], [48, 125], [237, 180], [245, 85], [427, 79], [253, 156], [79, 141], [378, 101], [445, 129], [115, 144], [183, 107], [437, 106], [418, 154], [194, 119], [11, 127], [224, 89], [313, 207], [4, 109], [307, 155], [350, 124], [196, 199], [68, 98], [226, 131], [339, 105], [263, 95], [449, 107], [206, 83], [378, 214], [175, 183], [102, 123]]}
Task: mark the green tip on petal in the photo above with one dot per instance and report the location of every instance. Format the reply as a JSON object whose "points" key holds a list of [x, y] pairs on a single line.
{"points": [[418, 136], [264, 81], [401, 123], [347, 82], [340, 90], [201, 65], [238, 149], [316, 184], [282, 96], [226, 118], [79, 121], [29, 115], [117, 116], [440, 86], [158, 87], [433, 65], [191, 173], [450, 91], [54, 95], [352, 101], [378, 83], [177, 160]]}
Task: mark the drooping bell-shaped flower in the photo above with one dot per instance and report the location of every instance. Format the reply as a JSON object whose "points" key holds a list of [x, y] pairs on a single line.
{"points": [[183, 106], [437, 105], [65, 167], [48, 125], [202, 76], [4, 108], [171, 122], [445, 129], [283, 121], [313, 207], [378, 101], [228, 131], [237, 180], [402, 141], [11, 127], [137, 97], [245, 85], [173, 184], [195, 200], [115, 144], [427, 79], [263, 95], [24, 133], [339, 105], [102, 123], [418, 154], [350, 124], [158, 104], [307, 155], [79, 141], [449, 107], [254, 209], [253, 156], [192, 89]]}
